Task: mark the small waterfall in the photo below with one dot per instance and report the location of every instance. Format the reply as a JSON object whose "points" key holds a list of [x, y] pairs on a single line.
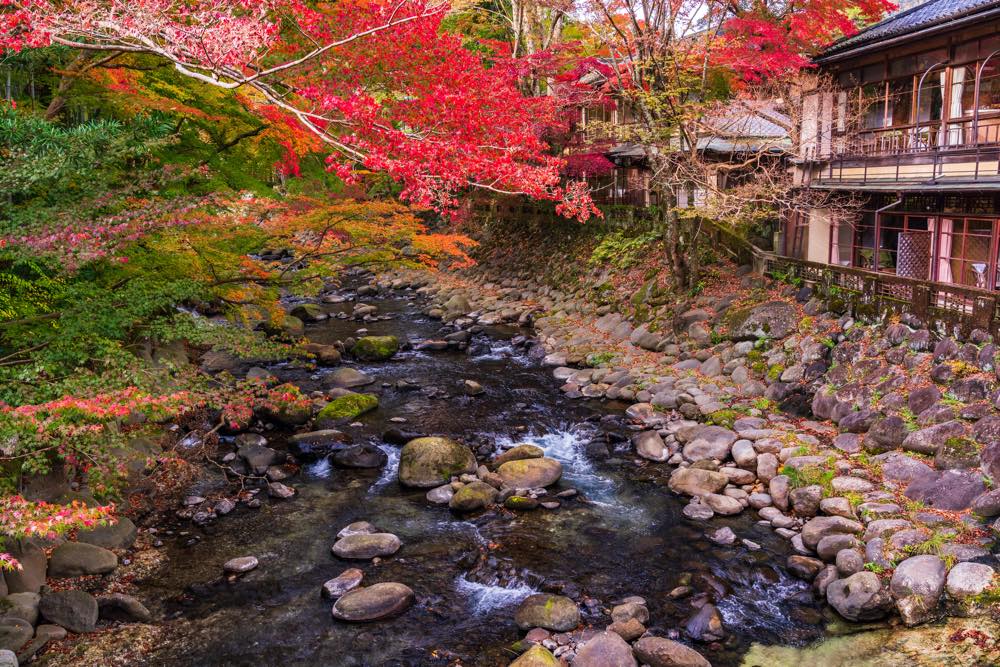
{"points": [[760, 607], [487, 597], [566, 446], [389, 472], [495, 583]]}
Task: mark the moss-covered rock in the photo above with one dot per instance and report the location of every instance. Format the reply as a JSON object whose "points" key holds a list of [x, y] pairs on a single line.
{"points": [[520, 503], [530, 473], [375, 348], [552, 612], [536, 656], [957, 453], [473, 496], [308, 312], [428, 462], [345, 408]]}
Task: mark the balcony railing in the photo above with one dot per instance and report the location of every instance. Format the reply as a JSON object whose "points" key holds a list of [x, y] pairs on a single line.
{"points": [[957, 135]]}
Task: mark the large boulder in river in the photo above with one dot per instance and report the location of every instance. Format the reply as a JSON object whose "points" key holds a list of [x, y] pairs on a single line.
{"points": [[552, 612], [660, 652], [428, 462], [916, 586], [365, 546], [347, 378], [75, 559], [605, 649], [774, 319], [696, 481], [530, 473], [372, 603], [345, 408], [859, 597], [375, 348]]}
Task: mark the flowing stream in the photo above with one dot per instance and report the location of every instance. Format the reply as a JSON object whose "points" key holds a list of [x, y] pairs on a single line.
{"points": [[625, 535]]}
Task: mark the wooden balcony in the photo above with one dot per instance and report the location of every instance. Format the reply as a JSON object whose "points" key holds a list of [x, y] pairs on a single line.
{"points": [[956, 152]]}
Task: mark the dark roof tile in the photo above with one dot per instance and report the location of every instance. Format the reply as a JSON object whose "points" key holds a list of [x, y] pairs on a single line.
{"points": [[915, 18]]}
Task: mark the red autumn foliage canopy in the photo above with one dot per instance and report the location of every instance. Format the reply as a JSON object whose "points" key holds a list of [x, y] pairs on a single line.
{"points": [[377, 81]]}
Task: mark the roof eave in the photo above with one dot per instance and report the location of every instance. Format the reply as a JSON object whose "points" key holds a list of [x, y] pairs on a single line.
{"points": [[952, 22]]}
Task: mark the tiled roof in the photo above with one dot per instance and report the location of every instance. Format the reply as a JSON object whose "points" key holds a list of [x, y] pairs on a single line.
{"points": [[924, 15]]}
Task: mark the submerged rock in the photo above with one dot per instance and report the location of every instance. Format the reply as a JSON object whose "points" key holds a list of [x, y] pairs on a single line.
{"points": [[240, 564], [360, 456], [372, 603]]}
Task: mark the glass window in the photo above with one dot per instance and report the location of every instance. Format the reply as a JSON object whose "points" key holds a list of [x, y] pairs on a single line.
{"points": [[931, 99], [900, 102], [873, 106], [963, 80], [989, 87]]}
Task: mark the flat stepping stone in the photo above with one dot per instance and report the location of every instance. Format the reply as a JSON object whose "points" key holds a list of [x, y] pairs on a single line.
{"points": [[372, 603], [366, 546], [343, 583]]}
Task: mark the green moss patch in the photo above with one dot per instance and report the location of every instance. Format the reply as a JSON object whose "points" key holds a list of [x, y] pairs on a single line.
{"points": [[346, 407], [375, 348]]}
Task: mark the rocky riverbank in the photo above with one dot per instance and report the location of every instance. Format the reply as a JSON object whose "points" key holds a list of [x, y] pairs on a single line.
{"points": [[754, 402], [871, 448]]}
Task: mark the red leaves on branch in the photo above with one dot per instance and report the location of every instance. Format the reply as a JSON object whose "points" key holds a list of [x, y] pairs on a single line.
{"points": [[377, 81]]}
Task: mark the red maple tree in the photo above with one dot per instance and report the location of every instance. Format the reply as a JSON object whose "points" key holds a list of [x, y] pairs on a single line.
{"points": [[377, 81]]}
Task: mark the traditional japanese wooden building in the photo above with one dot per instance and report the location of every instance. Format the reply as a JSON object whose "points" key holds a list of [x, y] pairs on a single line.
{"points": [[911, 135]]}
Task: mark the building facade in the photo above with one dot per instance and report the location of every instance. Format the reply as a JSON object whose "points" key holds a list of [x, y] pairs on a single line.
{"points": [[907, 138]]}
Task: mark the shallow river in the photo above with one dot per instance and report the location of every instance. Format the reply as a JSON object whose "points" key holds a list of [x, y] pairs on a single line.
{"points": [[625, 536]]}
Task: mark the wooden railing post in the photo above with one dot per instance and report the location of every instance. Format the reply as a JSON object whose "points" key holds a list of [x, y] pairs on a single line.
{"points": [[982, 311], [921, 301]]}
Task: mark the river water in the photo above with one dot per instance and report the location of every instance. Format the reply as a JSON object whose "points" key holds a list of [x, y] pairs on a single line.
{"points": [[624, 536]]}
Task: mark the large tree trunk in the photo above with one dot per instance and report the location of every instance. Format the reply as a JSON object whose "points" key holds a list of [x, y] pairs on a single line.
{"points": [[84, 61]]}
